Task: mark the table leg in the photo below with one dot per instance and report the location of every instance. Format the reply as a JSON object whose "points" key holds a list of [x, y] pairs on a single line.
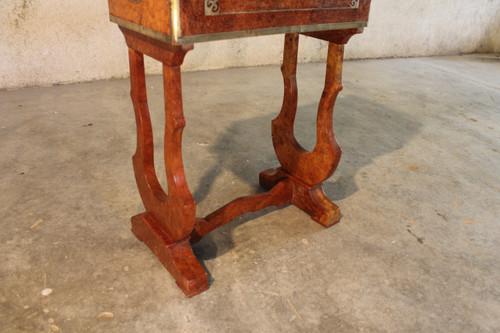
{"points": [[169, 225], [307, 170], [166, 225]]}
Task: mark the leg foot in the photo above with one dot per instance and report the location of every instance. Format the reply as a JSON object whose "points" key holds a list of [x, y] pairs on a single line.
{"points": [[310, 199], [177, 257], [314, 202]]}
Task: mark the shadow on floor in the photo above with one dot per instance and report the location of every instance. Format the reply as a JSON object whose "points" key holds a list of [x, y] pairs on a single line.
{"points": [[365, 130]]}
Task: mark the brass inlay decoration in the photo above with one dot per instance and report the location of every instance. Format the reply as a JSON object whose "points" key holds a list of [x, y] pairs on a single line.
{"points": [[175, 21], [181, 40], [212, 7]]}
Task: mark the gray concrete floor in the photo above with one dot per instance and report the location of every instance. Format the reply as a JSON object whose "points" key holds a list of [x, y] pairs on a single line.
{"points": [[417, 249]]}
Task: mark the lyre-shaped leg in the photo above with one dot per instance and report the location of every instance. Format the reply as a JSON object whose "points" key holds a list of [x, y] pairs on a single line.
{"points": [[307, 169], [169, 219]]}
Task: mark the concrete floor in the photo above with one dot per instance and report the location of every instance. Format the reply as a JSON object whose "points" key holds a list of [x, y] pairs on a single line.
{"points": [[417, 249]]}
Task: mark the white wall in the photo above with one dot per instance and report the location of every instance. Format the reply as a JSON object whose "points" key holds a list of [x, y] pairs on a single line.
{"points": [[44, 42]]}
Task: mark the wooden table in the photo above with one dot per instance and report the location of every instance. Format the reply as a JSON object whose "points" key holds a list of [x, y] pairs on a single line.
{"points": [[166, 30]]}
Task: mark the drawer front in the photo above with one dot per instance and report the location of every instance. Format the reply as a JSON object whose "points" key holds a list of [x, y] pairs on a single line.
{"points": [[192, 21], [231, 7]]}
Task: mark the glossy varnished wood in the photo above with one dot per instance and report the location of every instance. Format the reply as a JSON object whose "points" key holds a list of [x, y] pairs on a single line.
{"points": [[169, 224], [185, 21], [169, 219], [315, 166], [152, 14], [177, 256], [280, 194], [194, 21], [308, 169]]}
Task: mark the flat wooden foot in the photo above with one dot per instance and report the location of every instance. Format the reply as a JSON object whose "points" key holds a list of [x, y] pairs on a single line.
{"points": [[310, 199], [177, 257]]}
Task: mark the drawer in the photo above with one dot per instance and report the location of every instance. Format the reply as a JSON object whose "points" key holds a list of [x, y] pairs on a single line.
{"points": [[233, 7], [190, 21]]}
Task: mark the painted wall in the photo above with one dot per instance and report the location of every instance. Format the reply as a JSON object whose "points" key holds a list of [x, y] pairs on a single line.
{"points": [[45, 42]]}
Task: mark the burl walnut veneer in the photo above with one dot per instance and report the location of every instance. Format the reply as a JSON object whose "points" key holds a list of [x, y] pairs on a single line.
{"points": [[165, 31]]}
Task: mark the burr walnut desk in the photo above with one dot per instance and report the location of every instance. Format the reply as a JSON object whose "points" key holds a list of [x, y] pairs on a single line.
{"points": [[166, 30]]}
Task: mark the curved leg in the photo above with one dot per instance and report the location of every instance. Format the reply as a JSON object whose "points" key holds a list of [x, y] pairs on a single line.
{"points": [[307, 169], [169, 224], [169, 219]]}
